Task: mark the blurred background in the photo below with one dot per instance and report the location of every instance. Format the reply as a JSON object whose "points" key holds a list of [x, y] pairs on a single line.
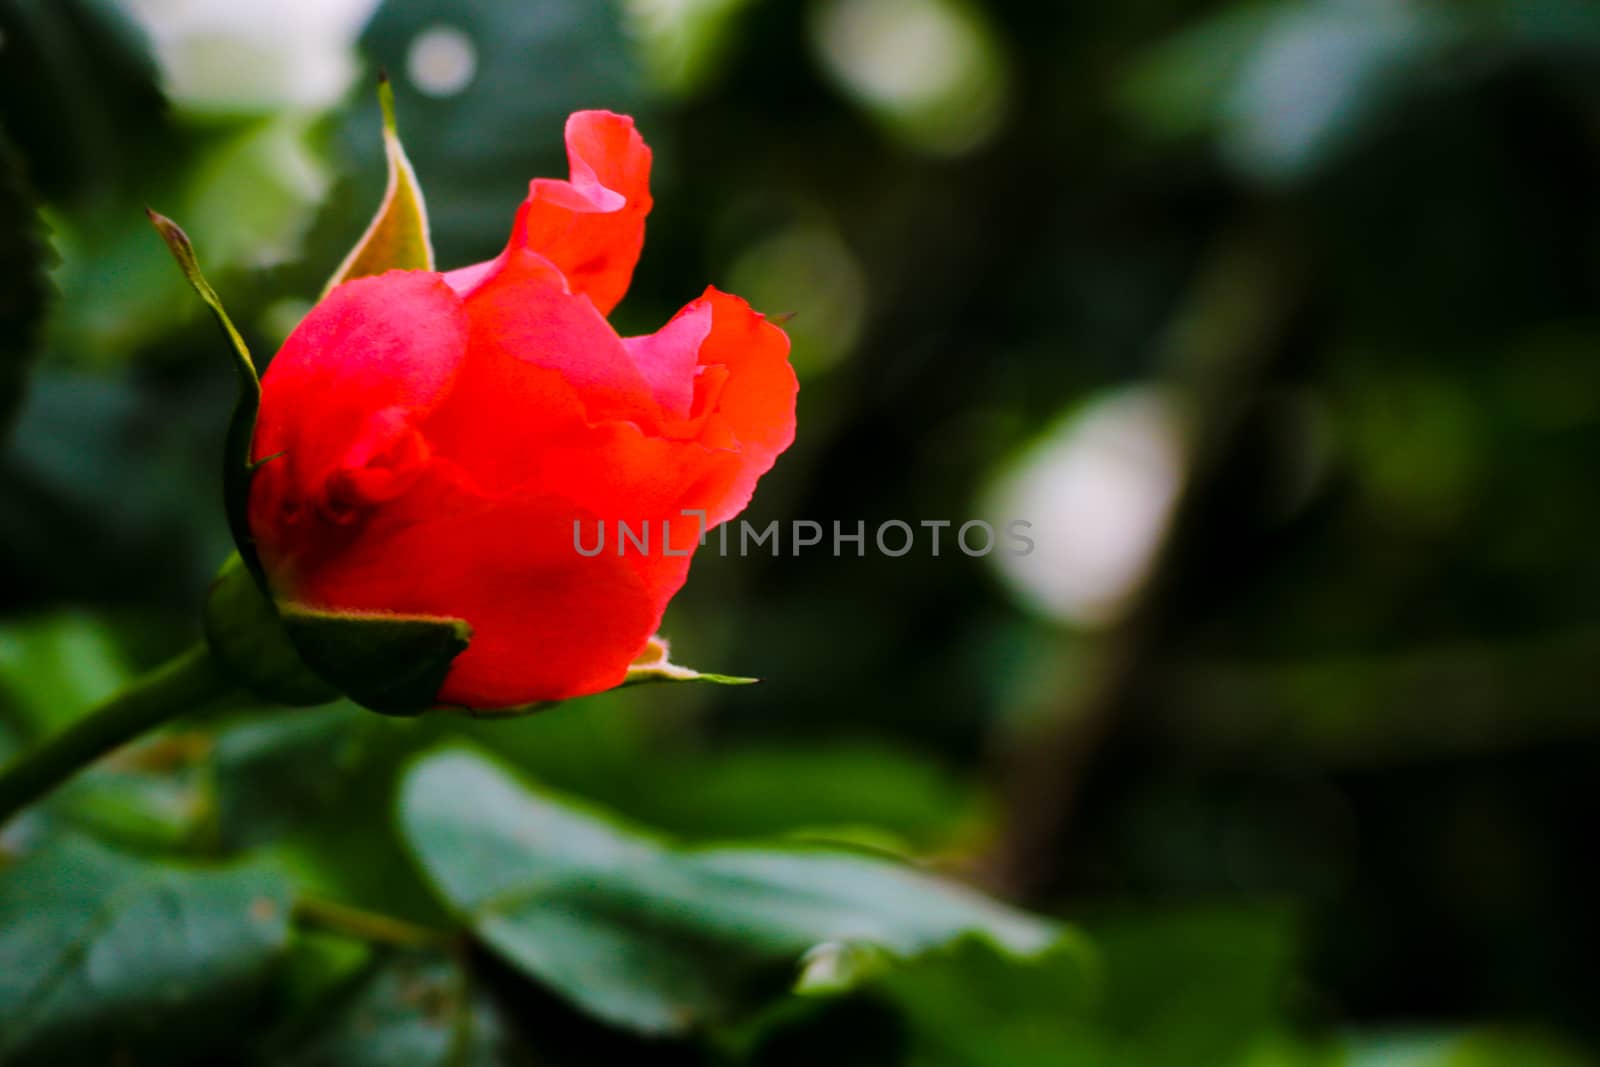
{"points": [[1279, 321]]}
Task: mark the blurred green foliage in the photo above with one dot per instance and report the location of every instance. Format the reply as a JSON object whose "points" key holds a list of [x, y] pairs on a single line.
{"points": [[648, 936], [104, 952], [1320, 793]]}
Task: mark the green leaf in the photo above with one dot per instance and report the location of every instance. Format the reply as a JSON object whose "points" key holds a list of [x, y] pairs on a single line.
{"points": [[1482, 1048], [818, 789], [1159, 989], [136, 800], [27, 290], [1179, 87], [1229, 74], [1194, 986], [351, 850], [52, 668], [656, 937], [966, 1005], [78, 89], [255, 189], [394, 664], [406, 1008], [280, 771], [397, 238], [100, 953]]}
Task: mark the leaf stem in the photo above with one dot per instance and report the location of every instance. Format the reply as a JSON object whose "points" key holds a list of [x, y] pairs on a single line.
{"points": [[188, 682], [366, 925]]}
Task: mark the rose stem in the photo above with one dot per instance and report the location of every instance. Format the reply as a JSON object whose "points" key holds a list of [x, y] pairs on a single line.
{"points": [[185, 683]]}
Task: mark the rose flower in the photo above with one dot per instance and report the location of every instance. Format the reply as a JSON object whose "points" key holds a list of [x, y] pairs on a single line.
{"points": [[432, 444]]}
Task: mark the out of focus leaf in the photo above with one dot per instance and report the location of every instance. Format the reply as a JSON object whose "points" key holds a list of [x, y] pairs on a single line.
{"points": [[1487, 1048], [248, 196], [405, 1008], [254, 192], [351, 851], [1161, 991], [54, 667], [416, 1008], [771, 790], [101, 953], [965, 1005], [153, 796], [319, 965], [279, 770], [624, 753], [655, 937], [683, 44], [1188, 987], [1322, 76], [971, 1005], [598, 747], [100, 482], [26, 291], [78, 94], [1285, 88], [78, 97], [1178, 88]]}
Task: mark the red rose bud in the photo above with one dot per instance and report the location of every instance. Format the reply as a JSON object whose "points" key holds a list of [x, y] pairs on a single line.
{"points": [[427, 442]]}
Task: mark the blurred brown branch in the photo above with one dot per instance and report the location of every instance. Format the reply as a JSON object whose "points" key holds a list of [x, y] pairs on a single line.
{"points": [[1241, 323]]}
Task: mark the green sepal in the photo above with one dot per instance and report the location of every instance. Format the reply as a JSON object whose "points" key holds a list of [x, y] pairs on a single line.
{"points": [[654, 664], [248, 638], [650, 666], [397, 238], [297, 656], [392, 664], [237, 466]]}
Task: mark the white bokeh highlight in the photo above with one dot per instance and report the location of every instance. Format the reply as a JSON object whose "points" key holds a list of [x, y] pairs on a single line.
{"points": [[442, 61], [1099, 489], [930, 69], [235, 57]]}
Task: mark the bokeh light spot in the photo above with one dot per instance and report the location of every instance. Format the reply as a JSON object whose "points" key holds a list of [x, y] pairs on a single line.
{"points": [[682, 42], [930, 70], [442, 61], [1099, 490], [806, 269]]}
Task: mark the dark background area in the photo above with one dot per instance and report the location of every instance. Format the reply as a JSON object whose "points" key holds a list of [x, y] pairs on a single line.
{"points": [[1295, 306]]}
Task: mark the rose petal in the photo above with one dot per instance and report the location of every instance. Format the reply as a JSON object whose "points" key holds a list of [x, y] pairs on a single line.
{"points": [[548, 623], [342, 397], [667, 359], [744, 389], [591, 227], [520, 319]]}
